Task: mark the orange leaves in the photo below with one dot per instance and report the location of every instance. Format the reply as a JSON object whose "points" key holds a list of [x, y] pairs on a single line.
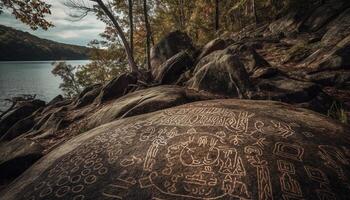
{"points": [[30, 12]]}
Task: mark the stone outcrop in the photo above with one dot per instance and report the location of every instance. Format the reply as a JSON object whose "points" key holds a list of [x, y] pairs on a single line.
{"points": [[90, 93], [214, 45], [55, 100], [260, 148], [219, 149], [169, 46], [144, 101], [19, 128], [117, 87], [172, 69], [221, 73], [16, 156], [21, 111]]}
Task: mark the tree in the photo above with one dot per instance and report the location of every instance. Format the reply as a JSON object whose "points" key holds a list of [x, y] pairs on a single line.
{"points": [[217, 15], [131, 24], [70, 85], [254, 12], [30, 12], [106, 63], [106, 15], [121, 34], [148, 34]]}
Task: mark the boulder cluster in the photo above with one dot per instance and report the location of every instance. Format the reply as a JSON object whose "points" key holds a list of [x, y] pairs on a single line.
{"points": [[303, 61]]}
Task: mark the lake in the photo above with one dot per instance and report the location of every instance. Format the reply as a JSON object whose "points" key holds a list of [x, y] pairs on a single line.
{"points": [[29, 77]]}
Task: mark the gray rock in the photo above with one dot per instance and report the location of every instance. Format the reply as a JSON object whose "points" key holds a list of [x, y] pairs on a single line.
{"points": [[338, 58], [88, 96], [51, 123], [16, 156], [144, 101], [19, 128], [322, 15], [337, 78], [55, 100], [223, 149], [338, 29], [21, 111], [214, 45], [117, 87], [169, 46], [281, 88], [254, 63], [171, 70], [221, 73], [288, 23]]}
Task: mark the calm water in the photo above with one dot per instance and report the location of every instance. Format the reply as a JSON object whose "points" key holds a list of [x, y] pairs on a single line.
{"points": [[29, 77]]}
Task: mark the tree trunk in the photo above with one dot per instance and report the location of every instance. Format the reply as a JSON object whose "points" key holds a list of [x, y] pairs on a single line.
{"points": [[182, 15], [217, 15], [148, 36], [254, 12], [131, 22], [121, 34]]}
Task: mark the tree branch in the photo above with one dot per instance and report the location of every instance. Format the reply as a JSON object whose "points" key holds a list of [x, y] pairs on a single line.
{"points": [[121, 34]]}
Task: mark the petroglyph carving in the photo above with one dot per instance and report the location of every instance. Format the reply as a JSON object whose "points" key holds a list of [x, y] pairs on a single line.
{"points": [[152, 153], [120, 186], [291, 151], [334, 158], [285, 166], [283, 129], [130, 161], [237, 122], [316, 174], [254, 154], [84, 166], [307, 134], [208, 164], [199, 153], [325, 195], [290, 185]]}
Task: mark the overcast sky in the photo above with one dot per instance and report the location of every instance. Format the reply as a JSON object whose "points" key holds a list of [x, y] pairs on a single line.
{"points": [[65, 30]]}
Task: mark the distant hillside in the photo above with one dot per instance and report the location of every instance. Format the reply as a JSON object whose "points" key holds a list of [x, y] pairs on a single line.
{"points": [[18, 45]]}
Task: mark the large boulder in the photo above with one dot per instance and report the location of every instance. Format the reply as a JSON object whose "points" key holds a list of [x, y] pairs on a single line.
{"points": [[254, 63], [19, 128], [169, 46], [171, 70], [329, 58], [117, 87], [288, 23], [338, 78], [227, 149], [21, 111], [144, 101], [281, 88], [221, 73], [323, 14], [214, 45], [338, 57], [16, 156], [55, 100], [338, 29], [88, 95]]}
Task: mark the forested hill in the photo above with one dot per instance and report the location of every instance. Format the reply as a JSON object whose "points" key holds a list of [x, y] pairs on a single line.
{"points": [[18, 45]]}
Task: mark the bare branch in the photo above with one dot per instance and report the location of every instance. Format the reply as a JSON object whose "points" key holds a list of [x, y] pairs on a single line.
{"points": [[82, 9], [121, 34]]}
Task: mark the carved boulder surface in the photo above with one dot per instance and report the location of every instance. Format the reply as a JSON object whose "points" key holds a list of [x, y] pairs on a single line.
{"points": [[222, 149]]}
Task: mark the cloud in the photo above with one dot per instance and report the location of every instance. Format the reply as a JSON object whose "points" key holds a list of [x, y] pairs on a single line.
{"points": [[66, 29]]}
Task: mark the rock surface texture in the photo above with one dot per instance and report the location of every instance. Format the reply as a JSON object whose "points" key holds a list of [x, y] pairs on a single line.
{"points": [[230, 149], [222, 149]]}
